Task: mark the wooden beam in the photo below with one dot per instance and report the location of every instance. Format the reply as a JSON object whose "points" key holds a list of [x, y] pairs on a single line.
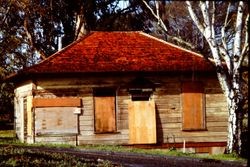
{"points": [[178, 145], [57, 102]]}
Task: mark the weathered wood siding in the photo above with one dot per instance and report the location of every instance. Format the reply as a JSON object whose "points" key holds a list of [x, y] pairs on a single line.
{"points": [[167, 98], [23, 106], [169, 113]]}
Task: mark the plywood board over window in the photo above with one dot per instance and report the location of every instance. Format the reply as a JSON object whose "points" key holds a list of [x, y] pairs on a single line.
{"points": [[57, 102], [193, 106], [55, 121], [105, 115], [142, 122], [56, 116]]}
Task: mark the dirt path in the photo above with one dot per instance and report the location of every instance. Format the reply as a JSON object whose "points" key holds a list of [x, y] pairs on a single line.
{"points": [[138, 160]]}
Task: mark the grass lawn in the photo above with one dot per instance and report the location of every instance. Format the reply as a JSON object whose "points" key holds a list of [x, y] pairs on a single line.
{"points": [[114, 148], [11, 156], [7, 134]]}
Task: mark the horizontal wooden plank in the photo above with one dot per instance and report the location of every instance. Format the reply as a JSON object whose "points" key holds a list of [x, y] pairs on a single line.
{"points": [[62, 139], [213, 90], [203, 150], [172, 125], [220, 111], [195, 139], [86, 118], [168, 120], [122, 125], [87, 128], [103, 137], [218, 129], [87, 123], [202, 139], [123, 117], [59, 91], [180, 145], [108, 142], [57, 102], [218, 124], [216, 118], [202, 133]]}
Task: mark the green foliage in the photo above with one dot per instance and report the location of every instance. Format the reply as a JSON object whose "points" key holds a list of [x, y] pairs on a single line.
{"points": [[6, 105]]}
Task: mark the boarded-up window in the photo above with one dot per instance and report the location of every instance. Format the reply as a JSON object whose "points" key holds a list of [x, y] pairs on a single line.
{"points": [[193, 105], [105, 115], [55, 121], [142, 122], [56, 116]]}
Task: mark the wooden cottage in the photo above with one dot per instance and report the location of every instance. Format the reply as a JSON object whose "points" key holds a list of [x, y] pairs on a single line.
{"points": [[122, 88]]}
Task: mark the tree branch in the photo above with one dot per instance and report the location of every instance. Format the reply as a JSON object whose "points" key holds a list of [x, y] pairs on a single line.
{"points": [[223, 37], [227, 58], [160, 22], [80, 27], [163, 26], [208, 32], [204, 10], [190, 45], [6, 14], [194, 17], [157, 11], [246, 45], [238, 31], [42, 55], [213, 18]]}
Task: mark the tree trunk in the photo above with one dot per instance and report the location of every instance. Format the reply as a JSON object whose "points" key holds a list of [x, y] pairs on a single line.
{"points": [[229, 76], [232, 127], [235, 116], [80, 27]]}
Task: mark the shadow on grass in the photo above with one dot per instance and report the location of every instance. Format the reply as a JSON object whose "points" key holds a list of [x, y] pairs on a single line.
{"points": [[8, 137], [8, 140]]}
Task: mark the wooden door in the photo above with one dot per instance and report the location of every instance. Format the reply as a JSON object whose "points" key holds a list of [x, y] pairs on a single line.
{"points": [[142, 122]]}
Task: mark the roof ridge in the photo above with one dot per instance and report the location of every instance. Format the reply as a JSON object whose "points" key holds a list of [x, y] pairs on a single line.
{"points": [[118, 31], [171, 44]]}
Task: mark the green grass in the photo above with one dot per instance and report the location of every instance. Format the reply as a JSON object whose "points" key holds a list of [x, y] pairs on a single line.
{"points": [[7, 134], [226, 157], [170, 152], [11, 156], [8, 137]]}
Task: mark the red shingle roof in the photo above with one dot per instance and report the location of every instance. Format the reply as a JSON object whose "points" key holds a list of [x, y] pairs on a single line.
{"points": [[121, 52]]}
